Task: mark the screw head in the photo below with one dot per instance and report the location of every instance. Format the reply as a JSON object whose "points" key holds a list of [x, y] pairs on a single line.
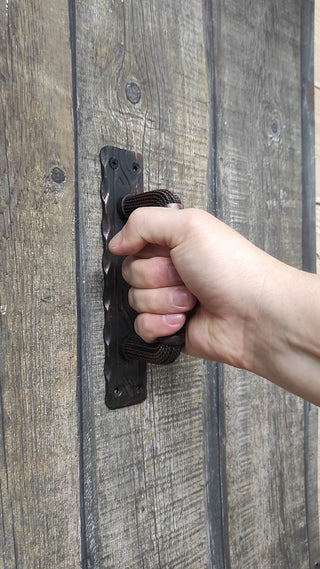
{"points": [[117, 392], [113, 163]]}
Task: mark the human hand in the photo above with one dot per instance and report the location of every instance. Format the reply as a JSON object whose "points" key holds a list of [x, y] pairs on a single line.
{"points": [[184, 259], [250, 310]]}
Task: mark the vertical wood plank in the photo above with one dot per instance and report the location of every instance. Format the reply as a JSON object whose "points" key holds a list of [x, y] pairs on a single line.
{"points": [[259, 166], [309, 256], [317, 140], [142, 71], [142, 85], [39, 497], [317, 158]]}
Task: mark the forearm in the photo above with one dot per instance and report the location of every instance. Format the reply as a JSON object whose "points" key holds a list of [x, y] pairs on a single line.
{"points": [[286, 335]]}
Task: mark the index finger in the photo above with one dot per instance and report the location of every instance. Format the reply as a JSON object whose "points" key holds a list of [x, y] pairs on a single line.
{"points": [[155, 225]]}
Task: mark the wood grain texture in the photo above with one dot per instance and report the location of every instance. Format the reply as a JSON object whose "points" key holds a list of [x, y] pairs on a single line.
{"points": [[317, 140], [317, 156], [212, 470], [317, 44], [39, 455], [143, 466], [309, 255], [259, 178], [317, 121]]}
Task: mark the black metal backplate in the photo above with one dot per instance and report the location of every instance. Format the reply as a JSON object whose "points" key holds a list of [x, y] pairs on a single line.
{"points": [[122, 174]]}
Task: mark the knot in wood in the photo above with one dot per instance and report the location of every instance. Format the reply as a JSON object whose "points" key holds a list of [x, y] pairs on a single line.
{"points": [[133, 93]]}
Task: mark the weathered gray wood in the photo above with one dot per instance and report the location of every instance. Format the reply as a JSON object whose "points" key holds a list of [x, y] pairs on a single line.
{"points": [[141, 466], [144, 481], [259, 164], [39, 498], [309, 256], [217, 468], [308, 46]]}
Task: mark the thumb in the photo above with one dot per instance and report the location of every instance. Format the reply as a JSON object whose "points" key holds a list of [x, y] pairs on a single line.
{"points": [[155, 225]]}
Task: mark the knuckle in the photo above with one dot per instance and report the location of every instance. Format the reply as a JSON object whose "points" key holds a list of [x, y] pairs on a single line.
{"points": [[143, 327], [152, 279], [131, 298], [125, 270]]}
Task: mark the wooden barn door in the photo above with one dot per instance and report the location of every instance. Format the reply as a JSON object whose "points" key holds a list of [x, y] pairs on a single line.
{"points": [[217, 469]]}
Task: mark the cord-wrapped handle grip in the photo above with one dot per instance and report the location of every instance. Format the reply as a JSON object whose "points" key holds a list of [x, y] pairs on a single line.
{"points": [[165, 351], [155, 198], [168, 348]]}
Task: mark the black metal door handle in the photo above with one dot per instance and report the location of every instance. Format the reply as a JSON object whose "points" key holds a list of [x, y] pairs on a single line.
{"points": [[126, 353], [166, 349], [155, 198]]}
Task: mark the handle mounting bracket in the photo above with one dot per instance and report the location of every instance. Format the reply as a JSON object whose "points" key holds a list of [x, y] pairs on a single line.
{"points": [[127, 353], [126, 383]]}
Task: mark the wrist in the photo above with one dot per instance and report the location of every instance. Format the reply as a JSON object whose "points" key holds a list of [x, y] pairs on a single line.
{"points": [[284, 344]]}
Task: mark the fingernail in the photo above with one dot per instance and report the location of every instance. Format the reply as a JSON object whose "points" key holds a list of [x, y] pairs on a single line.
{"points": [[115, 241], [181, 298], [174, 319]]}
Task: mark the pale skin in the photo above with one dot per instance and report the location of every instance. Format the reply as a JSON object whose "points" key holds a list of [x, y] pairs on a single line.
{"points": [[249, 309]]}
